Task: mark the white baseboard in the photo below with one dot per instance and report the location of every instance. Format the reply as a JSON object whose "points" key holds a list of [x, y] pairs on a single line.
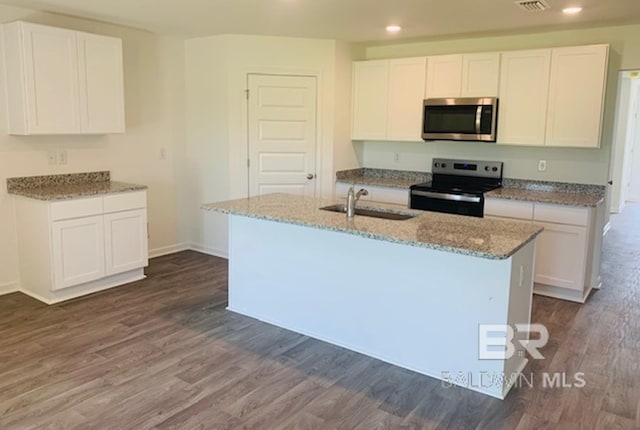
{"points": [[9, 287], [166, 250], [209, 251]]}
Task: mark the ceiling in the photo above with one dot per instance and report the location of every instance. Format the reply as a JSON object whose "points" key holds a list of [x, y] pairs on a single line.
{"points": [[348, 20]]}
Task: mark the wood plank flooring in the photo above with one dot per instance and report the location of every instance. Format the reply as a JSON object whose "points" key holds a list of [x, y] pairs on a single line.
{"points": [[164, 353]]}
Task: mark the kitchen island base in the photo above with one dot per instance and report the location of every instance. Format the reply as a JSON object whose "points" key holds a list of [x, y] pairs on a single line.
{"points": [[417, 308]]}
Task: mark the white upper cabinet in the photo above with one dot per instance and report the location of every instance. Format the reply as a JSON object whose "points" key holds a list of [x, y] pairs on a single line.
{"points": [[480, 74], [101, 84], [576, 96], [387, 99], [468, 75], [60, 81], [370, 99], [524, 88], [444, 76], [406, 89]]}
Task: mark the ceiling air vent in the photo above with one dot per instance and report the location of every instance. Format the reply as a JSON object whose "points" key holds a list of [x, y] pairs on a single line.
{"points": [[533, 5]]}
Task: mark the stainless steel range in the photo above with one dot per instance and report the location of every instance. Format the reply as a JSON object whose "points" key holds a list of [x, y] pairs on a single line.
{"points": [[457, 186]]}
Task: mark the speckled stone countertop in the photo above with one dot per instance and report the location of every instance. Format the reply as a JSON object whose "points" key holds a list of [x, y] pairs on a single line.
{"points": [[382, 177], [479, 237], [68, 186], [560, 193]]}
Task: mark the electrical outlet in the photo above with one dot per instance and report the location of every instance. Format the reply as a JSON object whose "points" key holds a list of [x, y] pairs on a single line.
{"points": [[62, 157], [396, 157], [542, 166], [52, 157]]}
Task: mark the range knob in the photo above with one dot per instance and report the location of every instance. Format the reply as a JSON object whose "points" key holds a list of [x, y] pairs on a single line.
{"points": [[437, 164], [495, 169], [486, 168], [444, 165]]}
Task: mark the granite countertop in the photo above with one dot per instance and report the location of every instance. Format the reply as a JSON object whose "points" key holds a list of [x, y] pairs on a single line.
{"points": [[559, 193], [68, 186], [479, 237]]}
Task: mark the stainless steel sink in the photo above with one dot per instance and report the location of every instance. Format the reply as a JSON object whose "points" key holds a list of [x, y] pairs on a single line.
{"points": [[373, 213]]}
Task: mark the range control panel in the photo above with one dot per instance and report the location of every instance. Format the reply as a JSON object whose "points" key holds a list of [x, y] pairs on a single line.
{"points": [[482, 169]]}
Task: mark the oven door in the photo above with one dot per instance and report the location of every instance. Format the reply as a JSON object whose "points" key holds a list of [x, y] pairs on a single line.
{"points": [[461, 204]]}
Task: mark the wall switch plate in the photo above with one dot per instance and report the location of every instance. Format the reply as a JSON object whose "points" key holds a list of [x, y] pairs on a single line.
{"points": [[542, 166], [396, 157], [163, 153], [62, 157], [52, 157]]}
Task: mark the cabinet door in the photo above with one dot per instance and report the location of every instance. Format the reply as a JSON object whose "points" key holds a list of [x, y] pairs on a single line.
{"points": [[370, 100], [406, 96], [524, 88], [51, 80], [480, 74], [126, 245], [444, 76], [101, 84], [78, 251], [576, 96], [561, 252]]}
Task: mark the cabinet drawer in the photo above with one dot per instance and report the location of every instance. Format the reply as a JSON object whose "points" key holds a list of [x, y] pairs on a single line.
{"points": [[76, 208], [508, 208], [561, 214], [125, 201]]}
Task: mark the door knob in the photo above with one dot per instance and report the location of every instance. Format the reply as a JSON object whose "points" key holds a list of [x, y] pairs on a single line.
{"points": [[310, 176]]}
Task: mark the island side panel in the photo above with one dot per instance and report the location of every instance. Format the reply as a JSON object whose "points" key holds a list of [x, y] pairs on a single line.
{"points": [[410, 306]]}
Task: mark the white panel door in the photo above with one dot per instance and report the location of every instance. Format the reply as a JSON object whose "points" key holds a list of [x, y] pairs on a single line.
{"points": [[78, 251], [51, 80], [561, 253], [370, 100], [406, 89], [576, 96], [126, 245], [444, 76], [480, 73], [101, 84], [524, 89], [282, 134]]}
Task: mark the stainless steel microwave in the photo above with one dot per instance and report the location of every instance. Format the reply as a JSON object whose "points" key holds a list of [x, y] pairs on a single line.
{"points": [[468, 119]]}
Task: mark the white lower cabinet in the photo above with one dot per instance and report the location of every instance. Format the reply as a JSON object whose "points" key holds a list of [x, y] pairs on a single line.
{"points": [[78, 251], [76, 247], [567, 251]]}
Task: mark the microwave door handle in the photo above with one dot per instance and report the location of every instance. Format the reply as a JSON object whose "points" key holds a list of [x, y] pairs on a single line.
{"points": [[478, 118]]}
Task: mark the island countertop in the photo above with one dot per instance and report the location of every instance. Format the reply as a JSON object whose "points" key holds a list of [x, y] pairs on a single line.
{"points": [[479, 237]]}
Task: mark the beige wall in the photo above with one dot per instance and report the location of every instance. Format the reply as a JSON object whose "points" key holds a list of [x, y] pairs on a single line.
{"points": [[572, 165], [154, 92], [216, 76]]}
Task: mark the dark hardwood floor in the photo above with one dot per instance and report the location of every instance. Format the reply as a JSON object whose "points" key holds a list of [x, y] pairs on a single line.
{"points": [[164, 353]]}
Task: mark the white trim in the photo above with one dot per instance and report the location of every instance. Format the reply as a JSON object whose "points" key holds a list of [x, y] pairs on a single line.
{"points": [[9, 287], [166, 250], [606, 228], [222, 253]]}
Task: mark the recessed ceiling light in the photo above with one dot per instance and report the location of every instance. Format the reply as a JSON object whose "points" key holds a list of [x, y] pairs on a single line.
{"points": [[572, 10], [393, 28]]}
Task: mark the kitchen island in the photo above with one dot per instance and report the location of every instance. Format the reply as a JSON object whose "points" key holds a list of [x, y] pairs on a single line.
{"points": [[409, 292]]}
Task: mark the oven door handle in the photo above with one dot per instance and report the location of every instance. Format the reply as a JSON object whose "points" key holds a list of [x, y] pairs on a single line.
{"points": [[445, 196], [478, 119]]}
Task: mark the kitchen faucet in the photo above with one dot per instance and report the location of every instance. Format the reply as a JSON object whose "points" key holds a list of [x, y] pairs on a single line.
{"points": [[352, 199]]}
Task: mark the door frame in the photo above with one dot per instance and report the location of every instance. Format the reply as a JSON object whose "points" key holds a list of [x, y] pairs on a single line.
{"points": [[320, 164]]}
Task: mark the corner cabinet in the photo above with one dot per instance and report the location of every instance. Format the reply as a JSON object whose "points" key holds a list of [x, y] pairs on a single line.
{"points": [[74, 247], [568, 249], [387, 99], [60, 81]]}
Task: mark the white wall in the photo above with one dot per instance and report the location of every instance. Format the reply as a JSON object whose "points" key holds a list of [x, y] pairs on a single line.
{"points": [[154, 93], [216, 76], [572, 165]]}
